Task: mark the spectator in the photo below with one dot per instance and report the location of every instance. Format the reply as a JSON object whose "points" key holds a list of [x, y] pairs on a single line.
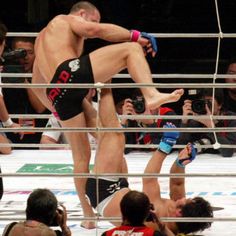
{"points": [[230, 93], [4, 115], [136, 105], [42, 211], [204, 106], [135, 209], [14, 98]]}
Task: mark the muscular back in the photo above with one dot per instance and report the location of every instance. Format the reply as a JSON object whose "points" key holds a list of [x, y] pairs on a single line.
{"points": [[55, 44]]}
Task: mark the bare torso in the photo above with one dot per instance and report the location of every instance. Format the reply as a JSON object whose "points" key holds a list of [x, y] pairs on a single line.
{"points": [[54, 44]]}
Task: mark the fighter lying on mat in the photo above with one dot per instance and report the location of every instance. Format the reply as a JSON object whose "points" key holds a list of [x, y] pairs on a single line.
{"points": [[109, 159]]}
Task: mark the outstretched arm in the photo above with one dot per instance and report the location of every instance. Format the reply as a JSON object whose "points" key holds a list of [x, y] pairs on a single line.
{"points": [[151, 185], [177, 185]]}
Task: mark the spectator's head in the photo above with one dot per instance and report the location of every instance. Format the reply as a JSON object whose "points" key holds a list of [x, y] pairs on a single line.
{"points": [[86, 10], [26, 43], [41, 206], [3, 33], [135, 208], [196, 207], [231, 71], [218, 99]]}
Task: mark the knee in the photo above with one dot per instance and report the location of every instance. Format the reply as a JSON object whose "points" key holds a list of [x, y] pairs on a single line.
{"points": [[133, 47]]}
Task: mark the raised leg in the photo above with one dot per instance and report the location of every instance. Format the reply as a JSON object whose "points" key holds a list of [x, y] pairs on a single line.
{"points": [[110, 60]]}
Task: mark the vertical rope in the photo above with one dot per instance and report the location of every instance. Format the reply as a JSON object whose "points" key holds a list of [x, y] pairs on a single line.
{"points": [[98, 133], [217, 144]]}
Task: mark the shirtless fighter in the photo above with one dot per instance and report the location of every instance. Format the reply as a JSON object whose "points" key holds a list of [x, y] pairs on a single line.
{"points": [[59, 59], [109, 159]]}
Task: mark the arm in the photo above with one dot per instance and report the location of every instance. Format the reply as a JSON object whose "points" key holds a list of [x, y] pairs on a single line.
{"points": [[4, 150], [4, 116], [151, 185], [111, 33], [6, 120], [177, 185]]}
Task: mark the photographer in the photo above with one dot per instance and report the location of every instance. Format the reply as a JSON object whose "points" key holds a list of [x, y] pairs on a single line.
{"points": [[203, 106], [136, 106], [42, 211], [4, 115], [136, 211], [23, 100]]}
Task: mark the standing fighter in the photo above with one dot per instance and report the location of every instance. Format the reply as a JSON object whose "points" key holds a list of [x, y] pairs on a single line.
{"points": [[59, 59]]}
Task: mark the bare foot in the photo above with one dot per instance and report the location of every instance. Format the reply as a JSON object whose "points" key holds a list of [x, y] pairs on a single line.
{"points": [[162, 98], [88, 224]]}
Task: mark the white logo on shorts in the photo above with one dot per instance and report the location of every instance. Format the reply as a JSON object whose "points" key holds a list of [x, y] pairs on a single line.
{"points": [[74, 65]]}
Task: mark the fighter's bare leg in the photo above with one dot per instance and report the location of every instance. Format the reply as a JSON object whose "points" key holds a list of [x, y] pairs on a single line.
{"points": [[81, 157], [110, 60], [109, 157]]}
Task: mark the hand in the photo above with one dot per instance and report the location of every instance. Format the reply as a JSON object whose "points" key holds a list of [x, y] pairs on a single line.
{"points": [[207, 122], [168, 139], [187, 110], [127, 109], [151, 47], [16, 125], [62, 220], [187, 155], [146, 40]]}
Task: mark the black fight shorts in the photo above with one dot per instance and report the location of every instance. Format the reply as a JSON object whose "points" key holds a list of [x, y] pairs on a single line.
{"points": [[68, 102], [105, 189]]}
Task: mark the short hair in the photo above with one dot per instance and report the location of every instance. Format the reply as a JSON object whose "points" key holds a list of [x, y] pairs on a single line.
{"points": [[3, 32], [135, 207], [41, 206], [219, 94], [82, 5], [22, 39], [198, 207]]}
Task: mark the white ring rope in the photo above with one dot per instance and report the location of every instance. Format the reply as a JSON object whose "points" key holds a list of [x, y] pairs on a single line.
{"points": [[157, 35], [121, 85], [118, 219], [120, 130], [173, 75], [122, 175], [172, 117]]}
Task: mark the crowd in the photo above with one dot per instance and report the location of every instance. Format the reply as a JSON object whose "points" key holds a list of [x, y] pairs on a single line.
{"points": [[140, 211]]}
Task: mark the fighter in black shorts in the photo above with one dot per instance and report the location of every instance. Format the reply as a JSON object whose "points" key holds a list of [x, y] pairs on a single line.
{"points": [[68, 102], [106, 188]]}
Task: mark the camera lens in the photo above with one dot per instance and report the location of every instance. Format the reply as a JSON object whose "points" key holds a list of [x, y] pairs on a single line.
{"points": [[139, 105], [198, 106]]}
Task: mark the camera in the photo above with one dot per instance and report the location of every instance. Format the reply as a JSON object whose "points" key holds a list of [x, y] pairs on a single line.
{"points": [[139, 104], [199, 106], [59, 211], [13, 55]]}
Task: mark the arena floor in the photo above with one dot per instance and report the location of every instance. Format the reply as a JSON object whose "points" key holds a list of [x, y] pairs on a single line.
{"points": [[221, 192]]}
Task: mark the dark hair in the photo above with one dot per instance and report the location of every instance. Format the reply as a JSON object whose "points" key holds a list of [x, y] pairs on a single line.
{"points": [[41, 206], [22, 39], [3, 32], [198, 207], [82, 5], [219, 94], [135, 207]]}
